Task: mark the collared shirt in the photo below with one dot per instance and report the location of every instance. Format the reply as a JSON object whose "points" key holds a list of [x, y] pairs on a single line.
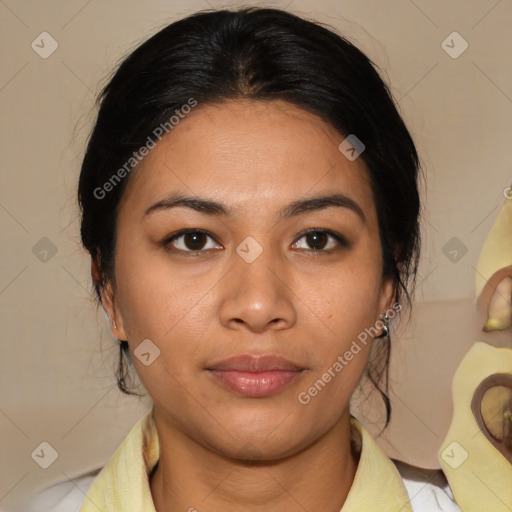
{"points": [[123, 483]]}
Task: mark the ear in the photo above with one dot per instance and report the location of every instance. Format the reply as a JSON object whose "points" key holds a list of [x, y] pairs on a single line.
{"points": [[109, 301], [387, 295]]}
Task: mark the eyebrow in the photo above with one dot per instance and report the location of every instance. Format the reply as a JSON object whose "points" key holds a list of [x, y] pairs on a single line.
{"points": [[300, 206]]}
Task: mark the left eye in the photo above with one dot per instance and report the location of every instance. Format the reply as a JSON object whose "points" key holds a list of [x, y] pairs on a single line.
{"points": [[317, 239]]}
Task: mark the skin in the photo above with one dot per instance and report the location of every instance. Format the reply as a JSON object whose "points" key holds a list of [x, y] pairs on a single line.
{"points": [[303, 304]]}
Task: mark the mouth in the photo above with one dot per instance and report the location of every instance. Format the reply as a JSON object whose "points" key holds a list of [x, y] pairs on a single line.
{"points": [[255, 376]]}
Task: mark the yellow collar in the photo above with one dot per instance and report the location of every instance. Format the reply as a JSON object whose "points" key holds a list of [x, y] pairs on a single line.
{"points": [[123, 484]]}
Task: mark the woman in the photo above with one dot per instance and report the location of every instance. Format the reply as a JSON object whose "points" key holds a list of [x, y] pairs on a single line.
{"points": [[249, 201]]}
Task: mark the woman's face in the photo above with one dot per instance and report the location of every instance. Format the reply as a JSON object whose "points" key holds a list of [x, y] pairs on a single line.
{"points": [[254, 284]]}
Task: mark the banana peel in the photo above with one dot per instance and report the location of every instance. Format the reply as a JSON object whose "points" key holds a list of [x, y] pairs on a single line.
{"points": [[500, 307], [480, 476], [496, 252], [496, 413], [476, 455]]}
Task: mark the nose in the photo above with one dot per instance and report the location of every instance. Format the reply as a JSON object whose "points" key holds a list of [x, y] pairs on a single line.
{"points": [[258, 296]]}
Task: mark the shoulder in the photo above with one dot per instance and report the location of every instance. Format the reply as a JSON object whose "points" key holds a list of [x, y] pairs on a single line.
{"points": [[428, 489], [66, 496]]}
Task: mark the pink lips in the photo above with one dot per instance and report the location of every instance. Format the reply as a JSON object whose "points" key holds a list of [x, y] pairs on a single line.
{"points": [[255, 376]]}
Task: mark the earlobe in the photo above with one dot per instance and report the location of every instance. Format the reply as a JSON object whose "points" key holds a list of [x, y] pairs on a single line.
{"points": [[387, 295], [111, 306], [108, 302], [386, 304]]}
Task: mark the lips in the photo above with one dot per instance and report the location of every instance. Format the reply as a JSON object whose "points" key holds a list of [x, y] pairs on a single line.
{"points": [[255, 375]]}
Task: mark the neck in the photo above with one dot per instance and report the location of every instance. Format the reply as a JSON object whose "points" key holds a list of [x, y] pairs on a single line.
{"points": [[190, 476]]}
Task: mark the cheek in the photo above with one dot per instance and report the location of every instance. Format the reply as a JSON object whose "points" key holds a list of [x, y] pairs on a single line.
{"points": [[172, 309], [348, 298], [347, 302], [342, 345], [155, 297]]}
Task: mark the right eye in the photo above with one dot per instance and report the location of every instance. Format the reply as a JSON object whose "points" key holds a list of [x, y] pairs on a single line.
{"points": [[189, 241]]}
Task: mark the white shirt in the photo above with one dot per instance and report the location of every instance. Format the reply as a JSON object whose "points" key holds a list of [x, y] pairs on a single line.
{"points": [[428, 491], [123, 483]]}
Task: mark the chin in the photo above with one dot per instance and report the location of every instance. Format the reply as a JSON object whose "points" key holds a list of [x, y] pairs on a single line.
{"points": [[269, 443]]}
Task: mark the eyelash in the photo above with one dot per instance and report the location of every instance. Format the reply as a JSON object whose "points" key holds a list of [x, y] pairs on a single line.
{"points": [[342, 241]]}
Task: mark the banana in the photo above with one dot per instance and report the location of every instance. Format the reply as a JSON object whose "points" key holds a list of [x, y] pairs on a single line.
{"points": [[476, 454], [497, 250], [480, 477], [496, 410], [500, 308]]}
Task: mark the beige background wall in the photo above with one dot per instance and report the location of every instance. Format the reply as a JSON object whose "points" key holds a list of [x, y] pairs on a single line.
{"points": [[57, 357]]}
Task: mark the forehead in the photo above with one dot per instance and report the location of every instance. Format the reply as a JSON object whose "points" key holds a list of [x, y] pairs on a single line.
{"points": [[248, 152]]}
